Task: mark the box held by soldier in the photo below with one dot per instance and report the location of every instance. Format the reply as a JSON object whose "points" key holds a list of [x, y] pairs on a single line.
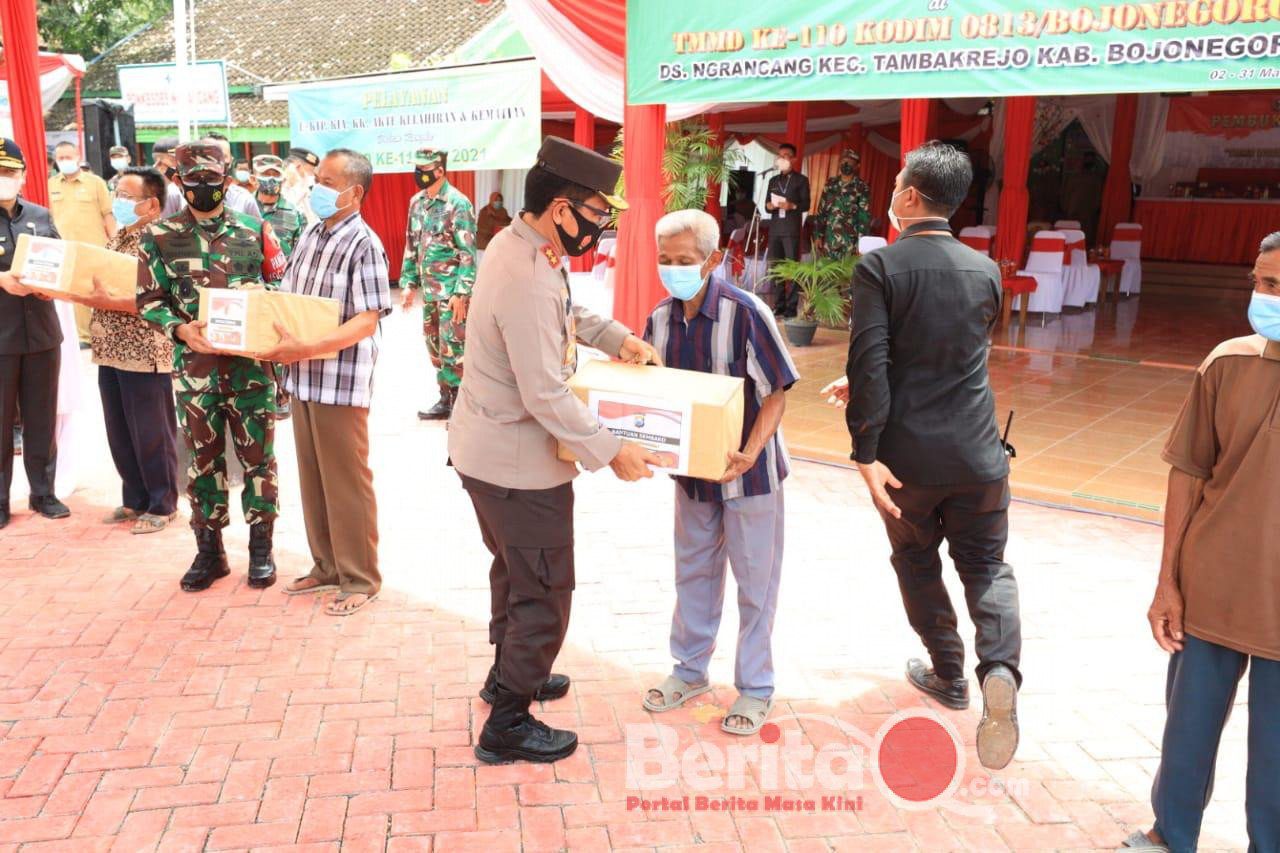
{"points": [[64, 268], [691, 419], [243, 321]]}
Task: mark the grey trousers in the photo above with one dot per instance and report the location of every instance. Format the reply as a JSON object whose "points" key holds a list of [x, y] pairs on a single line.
{"points": [[747, 534]]}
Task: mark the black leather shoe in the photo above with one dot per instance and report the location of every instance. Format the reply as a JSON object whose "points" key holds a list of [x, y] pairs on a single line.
{"points": [[210, 563], [262, 566], [49, 506], [953, 694], [998, 731], [555, 687], [4, 516], [512, 734]]}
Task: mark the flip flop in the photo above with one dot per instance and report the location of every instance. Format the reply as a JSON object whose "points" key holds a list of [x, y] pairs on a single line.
{"points": [[324, 587], [120, 514], [749, 708], [1139, 842], [343, 596], [151, 523], [669, 688]]}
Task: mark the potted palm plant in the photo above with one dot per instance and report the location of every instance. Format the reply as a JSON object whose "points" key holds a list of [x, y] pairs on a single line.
{"points": [[692, 160], [823, 283]]}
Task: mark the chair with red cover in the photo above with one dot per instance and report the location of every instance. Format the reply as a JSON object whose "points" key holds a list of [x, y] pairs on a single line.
{"points": [[1045, 265], [1126, 245], [1067, 225], [1083, 278], [976, 238]]}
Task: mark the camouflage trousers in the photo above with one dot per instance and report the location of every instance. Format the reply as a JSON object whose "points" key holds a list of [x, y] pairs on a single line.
{"points": [[444, 341], [251, 415]]}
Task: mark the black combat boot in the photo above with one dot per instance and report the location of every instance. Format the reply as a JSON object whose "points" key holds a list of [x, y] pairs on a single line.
{"points": [[262, 567], [443, 407], [210, 563], [556, 685], [512, 734]]}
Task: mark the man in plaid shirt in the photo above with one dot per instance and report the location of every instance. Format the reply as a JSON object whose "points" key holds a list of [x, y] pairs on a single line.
{"points": [[340, 258]]}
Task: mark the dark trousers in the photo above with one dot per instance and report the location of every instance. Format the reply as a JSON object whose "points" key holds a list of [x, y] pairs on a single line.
{"points": [[30, 380], [974, 519], [142, 432], [1199, 693], [786, 297], [530, 534]]}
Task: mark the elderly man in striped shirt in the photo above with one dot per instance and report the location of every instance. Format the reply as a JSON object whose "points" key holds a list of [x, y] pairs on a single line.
{"points": [[709, 325], [340, 258]]}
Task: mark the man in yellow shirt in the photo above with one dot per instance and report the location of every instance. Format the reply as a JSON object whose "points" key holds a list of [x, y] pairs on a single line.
{"points": [[81, 206]]}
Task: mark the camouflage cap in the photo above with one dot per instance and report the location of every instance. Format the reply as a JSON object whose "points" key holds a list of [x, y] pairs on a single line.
{"points": [[199, 157], [430, 158], [118, 150], [264, 162], [850, 154]]}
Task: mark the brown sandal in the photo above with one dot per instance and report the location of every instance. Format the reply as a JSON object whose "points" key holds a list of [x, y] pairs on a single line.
{"points": [[320, 587], [332, 610]]}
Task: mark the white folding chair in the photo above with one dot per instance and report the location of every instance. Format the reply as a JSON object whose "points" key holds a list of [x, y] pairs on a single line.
{"points": [[976, 238], [1126, 245], [1083, 278], [1045, 265], [870, 244]]}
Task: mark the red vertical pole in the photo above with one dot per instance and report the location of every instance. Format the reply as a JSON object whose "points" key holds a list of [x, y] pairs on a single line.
{"points": [[916, 118], [1011, 216], [584, 133], [637, 288]]}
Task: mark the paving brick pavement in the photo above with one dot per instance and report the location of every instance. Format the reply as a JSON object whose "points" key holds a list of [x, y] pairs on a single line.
{"points": [[137, 717]]}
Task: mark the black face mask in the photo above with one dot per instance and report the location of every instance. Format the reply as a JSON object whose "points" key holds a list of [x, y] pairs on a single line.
{"points": [[846, 168], [426, 180], [203, 197], [574, 246]]}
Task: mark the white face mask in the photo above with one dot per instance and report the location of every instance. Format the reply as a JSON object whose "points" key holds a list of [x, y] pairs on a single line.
{"points": [[9, 187], [896, 221], [119, 163], [783, 164], [68, 167]]}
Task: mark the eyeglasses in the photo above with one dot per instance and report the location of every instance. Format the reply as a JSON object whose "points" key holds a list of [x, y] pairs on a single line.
{"points": [[601, 216]]}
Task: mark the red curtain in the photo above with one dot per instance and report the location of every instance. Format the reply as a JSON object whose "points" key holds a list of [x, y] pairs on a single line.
{"points": [[465, 182], [386, 209], [1011, 218], [637, 289], [916, 122], [602, 21], [715, 121], [1117, 196], [584, 133], [18, 24], [797, 118], [879, 170]]}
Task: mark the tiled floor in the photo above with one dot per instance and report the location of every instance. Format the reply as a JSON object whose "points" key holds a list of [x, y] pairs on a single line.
{"points": [[136, 717], [1094, 395]]}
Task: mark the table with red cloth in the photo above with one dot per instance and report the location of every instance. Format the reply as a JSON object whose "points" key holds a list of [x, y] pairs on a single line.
{"points": [[1111, 270], [1205, 230], [1015, 286]]}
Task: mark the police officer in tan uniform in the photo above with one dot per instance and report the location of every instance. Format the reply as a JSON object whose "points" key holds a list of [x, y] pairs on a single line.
{"points": [[514, 406]]}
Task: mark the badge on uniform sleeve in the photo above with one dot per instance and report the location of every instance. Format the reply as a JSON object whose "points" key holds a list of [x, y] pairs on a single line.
{"points": [[549, 253]]}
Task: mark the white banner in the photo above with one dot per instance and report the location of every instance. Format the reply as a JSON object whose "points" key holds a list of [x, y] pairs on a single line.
{"points": [[154, 93]]}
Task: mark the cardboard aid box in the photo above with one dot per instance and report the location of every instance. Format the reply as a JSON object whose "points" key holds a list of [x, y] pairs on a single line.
{"points": [[65, 268], [243, 321], [693, 420]]}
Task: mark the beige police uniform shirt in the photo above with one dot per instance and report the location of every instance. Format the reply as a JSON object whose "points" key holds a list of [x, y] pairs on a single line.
{"points": [[522, 334], [80, 207]]}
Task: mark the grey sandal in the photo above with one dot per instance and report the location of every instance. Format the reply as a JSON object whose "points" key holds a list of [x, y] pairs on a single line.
{"points": [[674, 694], [149, 523], [749, 708], [311, 590], [120, 514], [1139, 842]]}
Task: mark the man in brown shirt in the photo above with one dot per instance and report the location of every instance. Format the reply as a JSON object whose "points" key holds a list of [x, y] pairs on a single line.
{"points": [[135, 365], [491, 219], [81, 206], [1217, 602]]}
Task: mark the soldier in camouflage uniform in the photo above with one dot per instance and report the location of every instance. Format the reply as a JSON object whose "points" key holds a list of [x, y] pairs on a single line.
{"points": [[208, 246], [844, 212], [440, 259], [287, 223]]}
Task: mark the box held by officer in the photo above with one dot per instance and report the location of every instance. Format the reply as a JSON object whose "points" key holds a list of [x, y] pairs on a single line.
{"points": [[244, 321], [64, 268], [692, 420]]}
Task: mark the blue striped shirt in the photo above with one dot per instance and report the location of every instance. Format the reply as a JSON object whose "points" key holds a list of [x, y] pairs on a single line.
{"points": [[732, 334]]}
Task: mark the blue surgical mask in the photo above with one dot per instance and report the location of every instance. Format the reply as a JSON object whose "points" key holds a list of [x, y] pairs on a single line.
{"points": [[682, 282], [324, 200], [1264, 315], [124, 210]]}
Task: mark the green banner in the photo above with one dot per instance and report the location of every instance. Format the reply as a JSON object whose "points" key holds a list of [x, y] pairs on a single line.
{"points": [[785, 50], [485, 116]]}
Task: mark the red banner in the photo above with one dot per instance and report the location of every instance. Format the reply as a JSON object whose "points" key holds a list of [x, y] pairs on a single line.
{"points": [[1224, 131]]}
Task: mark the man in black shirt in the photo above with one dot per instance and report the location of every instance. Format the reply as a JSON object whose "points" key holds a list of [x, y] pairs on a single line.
{"points": [[922, 417], [30, 341], [786, 202]]}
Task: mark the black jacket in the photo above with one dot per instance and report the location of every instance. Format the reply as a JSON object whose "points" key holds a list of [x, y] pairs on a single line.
{"points": [[794, 187], [920, 396], [27, 324]]}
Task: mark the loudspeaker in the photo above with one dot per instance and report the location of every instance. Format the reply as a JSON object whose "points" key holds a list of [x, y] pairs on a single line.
{"points": [[107, 123]]}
